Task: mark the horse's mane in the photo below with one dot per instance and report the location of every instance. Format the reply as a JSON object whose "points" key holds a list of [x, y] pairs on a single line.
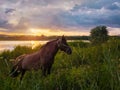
{"points": [[48, 43], [51, 41]]}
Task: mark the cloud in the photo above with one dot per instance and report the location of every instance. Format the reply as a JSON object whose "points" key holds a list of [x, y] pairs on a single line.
{"points": [[95, 13], [65, 15], [113, 31]]}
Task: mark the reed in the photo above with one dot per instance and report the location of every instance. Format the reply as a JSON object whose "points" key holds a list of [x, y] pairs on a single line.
{"points": [[88, 68]]}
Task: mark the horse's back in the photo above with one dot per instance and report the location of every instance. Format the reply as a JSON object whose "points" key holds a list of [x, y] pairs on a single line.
{"points": [[31, 61]]}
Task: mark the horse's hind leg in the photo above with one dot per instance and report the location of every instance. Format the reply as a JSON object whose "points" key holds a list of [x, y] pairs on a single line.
{"points": [[22, 74]]}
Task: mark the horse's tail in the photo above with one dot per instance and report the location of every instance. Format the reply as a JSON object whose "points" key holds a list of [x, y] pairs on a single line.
{"points": [[14, 72], [17, 68]]}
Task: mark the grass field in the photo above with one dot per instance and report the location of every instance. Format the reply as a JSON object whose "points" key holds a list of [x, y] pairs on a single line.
{"points": [[88, 68]]}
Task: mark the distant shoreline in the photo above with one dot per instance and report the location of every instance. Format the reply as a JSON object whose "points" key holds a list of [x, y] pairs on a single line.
{"points": [[37, 38], [42, 38]]}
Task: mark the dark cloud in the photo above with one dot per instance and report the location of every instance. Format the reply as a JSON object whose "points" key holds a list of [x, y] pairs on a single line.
{"points": [[4, 24], [98, 4], [9, 10], [113, 7]]}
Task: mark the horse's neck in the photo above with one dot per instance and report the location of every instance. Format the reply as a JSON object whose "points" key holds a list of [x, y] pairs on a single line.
{"points": [[51, 48]]}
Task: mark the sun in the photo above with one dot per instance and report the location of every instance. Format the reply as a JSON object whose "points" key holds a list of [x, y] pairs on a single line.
{"points": [[33, 32], [38, 32]]}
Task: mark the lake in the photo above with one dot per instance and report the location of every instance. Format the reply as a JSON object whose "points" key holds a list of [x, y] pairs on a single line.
{"points": [[10, 45]]}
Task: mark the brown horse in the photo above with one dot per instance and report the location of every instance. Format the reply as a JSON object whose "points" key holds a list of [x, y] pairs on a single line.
{"points": [[43, 58]]}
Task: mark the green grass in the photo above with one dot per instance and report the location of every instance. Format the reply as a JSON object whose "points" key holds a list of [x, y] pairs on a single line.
{"points": [[88, 68]]}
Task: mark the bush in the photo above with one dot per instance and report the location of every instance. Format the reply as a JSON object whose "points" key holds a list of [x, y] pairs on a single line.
{"points": [[99, 35]]}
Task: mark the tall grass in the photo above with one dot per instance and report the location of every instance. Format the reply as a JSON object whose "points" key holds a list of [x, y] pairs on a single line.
{"points": [[88, 68]]}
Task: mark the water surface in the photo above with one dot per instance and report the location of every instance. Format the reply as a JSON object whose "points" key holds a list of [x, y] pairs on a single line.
{"points": [[10, 45]]}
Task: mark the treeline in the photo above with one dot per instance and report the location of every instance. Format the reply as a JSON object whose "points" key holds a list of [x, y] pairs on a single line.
{"points": [[42, 37]]}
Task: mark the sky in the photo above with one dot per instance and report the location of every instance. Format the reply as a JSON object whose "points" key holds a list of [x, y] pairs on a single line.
{"points": [[58, 17]]}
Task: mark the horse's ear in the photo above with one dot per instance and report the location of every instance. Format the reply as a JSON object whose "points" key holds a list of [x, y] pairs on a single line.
{"points": [[63, 37]]}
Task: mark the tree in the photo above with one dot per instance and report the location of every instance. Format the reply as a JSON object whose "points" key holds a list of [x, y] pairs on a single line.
{"points": [[99, 35]]}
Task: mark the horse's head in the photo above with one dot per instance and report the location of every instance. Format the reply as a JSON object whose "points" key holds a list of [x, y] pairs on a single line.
{"points": [[63, 46]]}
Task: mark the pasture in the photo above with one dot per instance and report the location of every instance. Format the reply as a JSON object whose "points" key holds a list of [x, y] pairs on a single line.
{"points": [[88, 68]]}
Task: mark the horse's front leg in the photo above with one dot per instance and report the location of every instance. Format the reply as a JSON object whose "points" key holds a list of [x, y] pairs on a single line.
{"points": [[44, 71], [49, 69]]}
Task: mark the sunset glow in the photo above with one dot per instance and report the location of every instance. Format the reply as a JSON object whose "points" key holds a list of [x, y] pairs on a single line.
{"points": [[38, 32], [47, 32]]}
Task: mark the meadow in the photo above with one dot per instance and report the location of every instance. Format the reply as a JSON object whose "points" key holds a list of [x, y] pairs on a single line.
{"points": [[90, 67]]}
